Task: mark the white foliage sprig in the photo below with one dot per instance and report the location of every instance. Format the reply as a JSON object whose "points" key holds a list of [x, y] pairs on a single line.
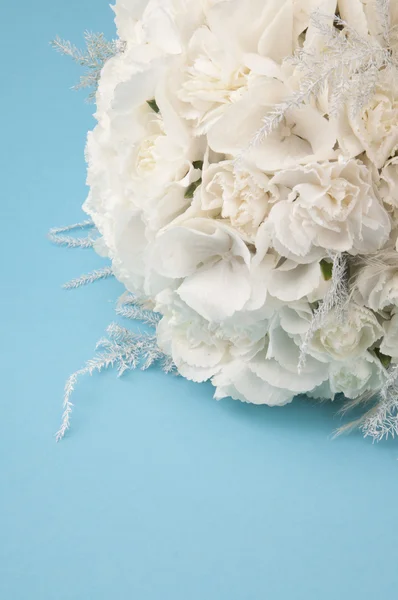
{"points": [[88, 278], [57, 236], [122, 349], [98, 51], [131, 307], [348, 66], [336, 300], [381, 422]]}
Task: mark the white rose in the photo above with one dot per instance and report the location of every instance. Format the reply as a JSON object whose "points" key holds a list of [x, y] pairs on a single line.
{"points": [[326, 206], [348, 338], [357, 376]]}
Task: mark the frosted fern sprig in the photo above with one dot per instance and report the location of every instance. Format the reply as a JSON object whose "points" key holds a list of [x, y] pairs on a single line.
{"points": [[382, 420], [122, 349], [96, 275], [71, 242], [131, 307], [349, 65], [98, 51], [67, 404], [82, 225], [336, 300], [57, 236], [384, 18]]}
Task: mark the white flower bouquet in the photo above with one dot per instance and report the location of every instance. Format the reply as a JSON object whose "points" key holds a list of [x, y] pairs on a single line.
{"points": [[244, 182]]}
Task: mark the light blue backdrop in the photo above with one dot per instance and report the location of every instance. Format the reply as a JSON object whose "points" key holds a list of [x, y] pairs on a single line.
{"points": [[159, 492]]}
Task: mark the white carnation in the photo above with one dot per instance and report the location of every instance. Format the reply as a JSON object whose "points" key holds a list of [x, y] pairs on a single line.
{"points": [[389, 182], [329, 206], [243, 197], [346, 339], [357, 376], [376, 126]]}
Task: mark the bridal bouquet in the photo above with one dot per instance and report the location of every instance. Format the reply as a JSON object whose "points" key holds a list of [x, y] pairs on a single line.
{"points": [[243, 179]]}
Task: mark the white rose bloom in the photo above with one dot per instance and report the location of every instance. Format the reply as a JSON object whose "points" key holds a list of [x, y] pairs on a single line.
{"points": [[346, 339], [328, 206], [357, 376]]}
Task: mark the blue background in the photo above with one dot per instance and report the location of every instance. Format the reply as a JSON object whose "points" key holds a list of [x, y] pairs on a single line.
{"points": [[158, 492]]}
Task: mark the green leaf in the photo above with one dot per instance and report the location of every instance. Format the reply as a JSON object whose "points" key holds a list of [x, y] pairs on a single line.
{"points": [[197, 164], [327, 269], [153, 104], [383, 358], [189, 192]]}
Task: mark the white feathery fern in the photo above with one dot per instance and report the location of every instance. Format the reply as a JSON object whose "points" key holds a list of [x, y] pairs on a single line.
{"points": [[381, 422], [88, 278], [57, 235], [98, 51], [131, 307], [123, 350], [349, 67]]}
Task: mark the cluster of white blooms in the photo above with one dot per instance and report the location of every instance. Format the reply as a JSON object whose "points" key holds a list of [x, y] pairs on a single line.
{"points": [[233, 241]]}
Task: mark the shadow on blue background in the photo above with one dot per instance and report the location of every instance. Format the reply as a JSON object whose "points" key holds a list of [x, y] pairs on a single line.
{"points": [[159, 492]]}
